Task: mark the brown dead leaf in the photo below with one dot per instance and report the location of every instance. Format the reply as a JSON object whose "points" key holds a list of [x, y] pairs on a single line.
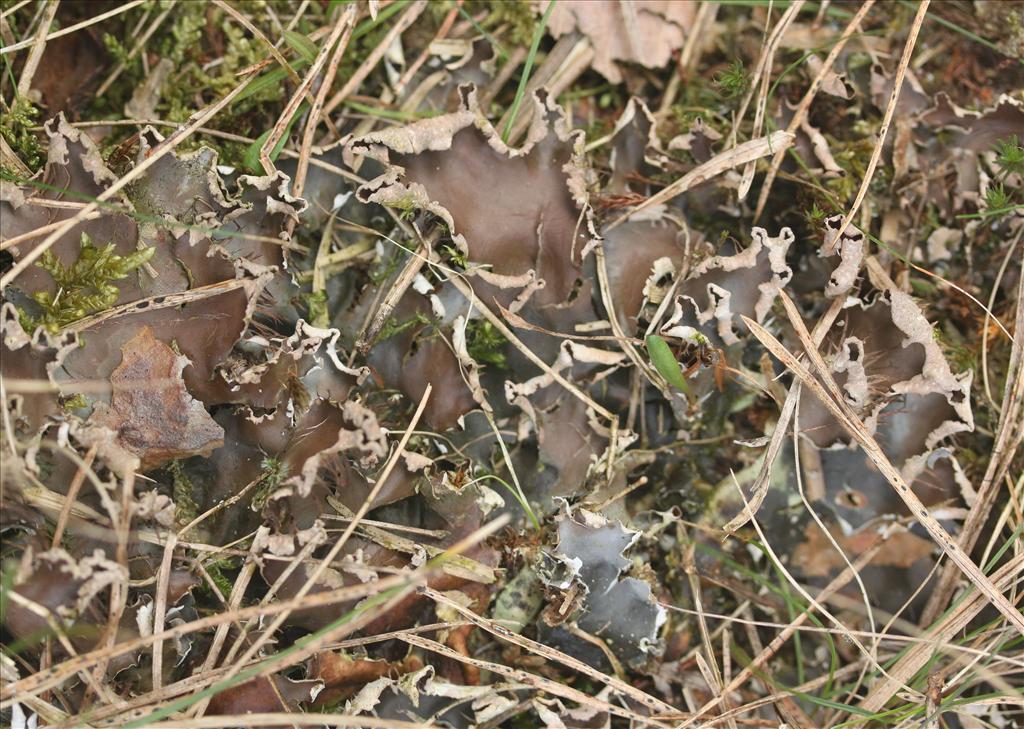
{"points": [[150, 410], [644, 31], [816, 557], [264, 695]]}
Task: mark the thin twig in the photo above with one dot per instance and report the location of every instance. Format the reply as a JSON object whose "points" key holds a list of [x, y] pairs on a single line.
{"points": [[805, 103], [344, 25], [764, 476], [347, 21], [360, 74], [38, 45], [890, 109], [548, 652], [772, 648], [1009, 434], [738, 155], [852, 423], [73, 28], [155, 155], [322, 567]]}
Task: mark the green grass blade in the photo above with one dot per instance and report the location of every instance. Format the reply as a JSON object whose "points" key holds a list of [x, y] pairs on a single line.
{"points": [[665, 362], [251, 159], [527, 68], [301, 45]]}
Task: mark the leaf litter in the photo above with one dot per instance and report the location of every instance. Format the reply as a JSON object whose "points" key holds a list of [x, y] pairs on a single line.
{"points": [[618, 508]]}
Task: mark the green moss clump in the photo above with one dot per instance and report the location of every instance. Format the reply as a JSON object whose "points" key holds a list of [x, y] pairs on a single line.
{"points": [[217, 571], [15, 128], [274, 472], [185, 507], [83, 288], [518, 15], [734, 81], [853, 158], [485, 344], [393, 326], [208, 50]]}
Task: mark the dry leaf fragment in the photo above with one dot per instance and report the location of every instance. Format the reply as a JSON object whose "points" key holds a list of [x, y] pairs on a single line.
{"points": [[643, 31], [816, 557], [150, 410], [264, 695]]}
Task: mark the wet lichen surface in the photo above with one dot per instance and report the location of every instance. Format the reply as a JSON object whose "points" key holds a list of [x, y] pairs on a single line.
{"points": [[582, 364]]}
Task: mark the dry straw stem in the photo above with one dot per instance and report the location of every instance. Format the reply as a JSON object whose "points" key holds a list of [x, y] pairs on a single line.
{"points": [[36, 55], [36, 232], [833, 401], [271, 48], [72, 497], [121, 518], [996, 287], [842, 601], [652, 375], [160, 608], [772, 648], [394, 294], [348, 23], [760, 487], [1008, 439], [54, 676], [544, 651], [890, 109], [238, 589], [805, 103], [424, 56], [532, 680], [738, 155], [160, 151], [466, 290], [166, 301], [565, 62], [804, 688], [13, 8], [73, 28], [325, 563], [293, 719], [360, 74], [127, 710], [763, 75], [52, 622], [869, 655], [763, 62], [344, 25], [950, 625]]}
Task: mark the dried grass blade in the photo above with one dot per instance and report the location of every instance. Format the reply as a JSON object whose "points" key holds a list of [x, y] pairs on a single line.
{"points": [[890, 109], [532, 680], [738, 155], [760, 487], [856, 428], [547, 652], [805, 103], [1008, 440], [772, 648]]}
